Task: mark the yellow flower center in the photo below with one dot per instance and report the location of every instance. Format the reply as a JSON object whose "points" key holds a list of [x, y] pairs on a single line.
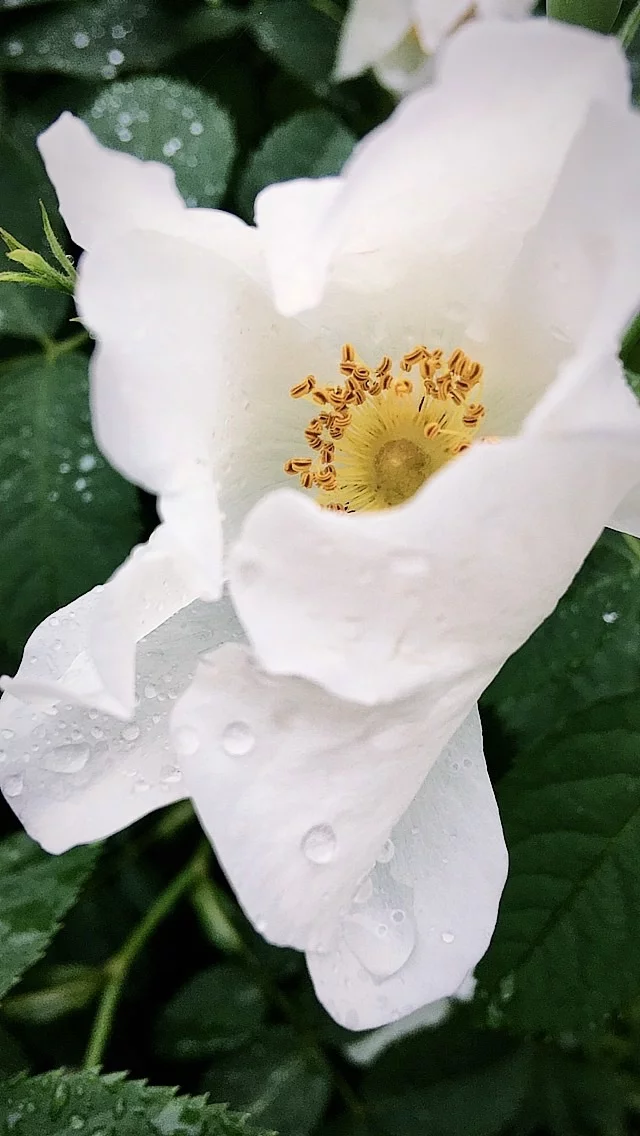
{"points": [[376, 438]]}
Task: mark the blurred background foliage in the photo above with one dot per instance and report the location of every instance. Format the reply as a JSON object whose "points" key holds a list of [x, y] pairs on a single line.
{"points": [[235, 96]]}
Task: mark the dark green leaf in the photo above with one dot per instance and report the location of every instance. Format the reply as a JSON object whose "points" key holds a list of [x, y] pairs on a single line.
{"points": [[300, 37], [572, 1097], [36, 890], [565, 951], [588, 649], [276, 1080], [599, 15], [174, 123], [65, 1103], [219, 1009], [313, 143], [450, 1081], [92, 40], [67, 519]]}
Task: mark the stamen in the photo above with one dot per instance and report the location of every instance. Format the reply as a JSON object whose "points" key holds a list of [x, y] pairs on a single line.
{"points": [[378, 437]]}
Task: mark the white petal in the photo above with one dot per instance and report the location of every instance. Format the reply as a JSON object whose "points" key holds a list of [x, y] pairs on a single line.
{"points": [[189, 384], [437, 234], [297, 790], [431, 906], [289, 216], [370, 29], [74, 775], [102, 191]]}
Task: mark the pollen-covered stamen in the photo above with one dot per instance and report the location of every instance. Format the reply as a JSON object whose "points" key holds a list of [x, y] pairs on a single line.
{"points": [[379, 436]]}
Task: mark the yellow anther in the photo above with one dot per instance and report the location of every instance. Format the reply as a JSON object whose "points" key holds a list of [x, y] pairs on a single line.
{"points": [[379, 436]]}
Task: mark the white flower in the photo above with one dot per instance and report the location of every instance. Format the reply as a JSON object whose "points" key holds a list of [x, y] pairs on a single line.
{"points": [[397, 38], [337, 763]]}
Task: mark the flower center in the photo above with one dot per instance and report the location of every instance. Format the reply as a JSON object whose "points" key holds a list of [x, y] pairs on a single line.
{"points": [[377, 438]]}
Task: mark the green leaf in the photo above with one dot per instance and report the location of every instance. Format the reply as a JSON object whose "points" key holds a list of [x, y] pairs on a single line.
{"points": [[301, 38], [36, 891], [450, 1081], [55, 246], [30, 313], [58, 1103], [92, 40], [61, 990], [275, 1080], [313, 143], [572, 1097], [221, 1008], [173, 123], [67, 519], [588, 649], [564, 954], [599, 15]]}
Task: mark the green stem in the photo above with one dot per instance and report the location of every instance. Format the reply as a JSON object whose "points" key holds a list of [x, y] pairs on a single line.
{"points": [[210, 908], [628, 31], [117, 969]]}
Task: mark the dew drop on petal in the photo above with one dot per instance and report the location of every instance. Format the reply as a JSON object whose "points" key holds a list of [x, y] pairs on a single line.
{"points": [[447, 937], [383, 949], [130, 733], [170, 775], [13, 786], [237, 739], [67, 758], [319, 844]]}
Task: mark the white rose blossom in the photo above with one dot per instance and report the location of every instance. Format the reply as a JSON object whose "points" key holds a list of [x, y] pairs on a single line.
{"points": [[465, 282], [397, 38]]}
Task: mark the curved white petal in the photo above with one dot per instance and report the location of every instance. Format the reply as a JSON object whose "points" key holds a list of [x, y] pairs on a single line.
{"points": [[189, 384], [297, 790], [102, 191], [370, 29], [367, 1049], [74, 774], [425, 915], [472, 162]]}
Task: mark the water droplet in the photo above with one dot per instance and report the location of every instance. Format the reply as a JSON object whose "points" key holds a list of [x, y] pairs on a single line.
{"points": [[386, 853], [150, 691], [382, 949], [237, 739], [170, 775], [67, 758], [130, 733], [171, 147], [398, 916], [13, 786], [76, 1122], [186, 740], [8, 735], [196, 128], [141, 786], [97, 733], [610, 616], [447, 937], [364, 892], [320, 843]]}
